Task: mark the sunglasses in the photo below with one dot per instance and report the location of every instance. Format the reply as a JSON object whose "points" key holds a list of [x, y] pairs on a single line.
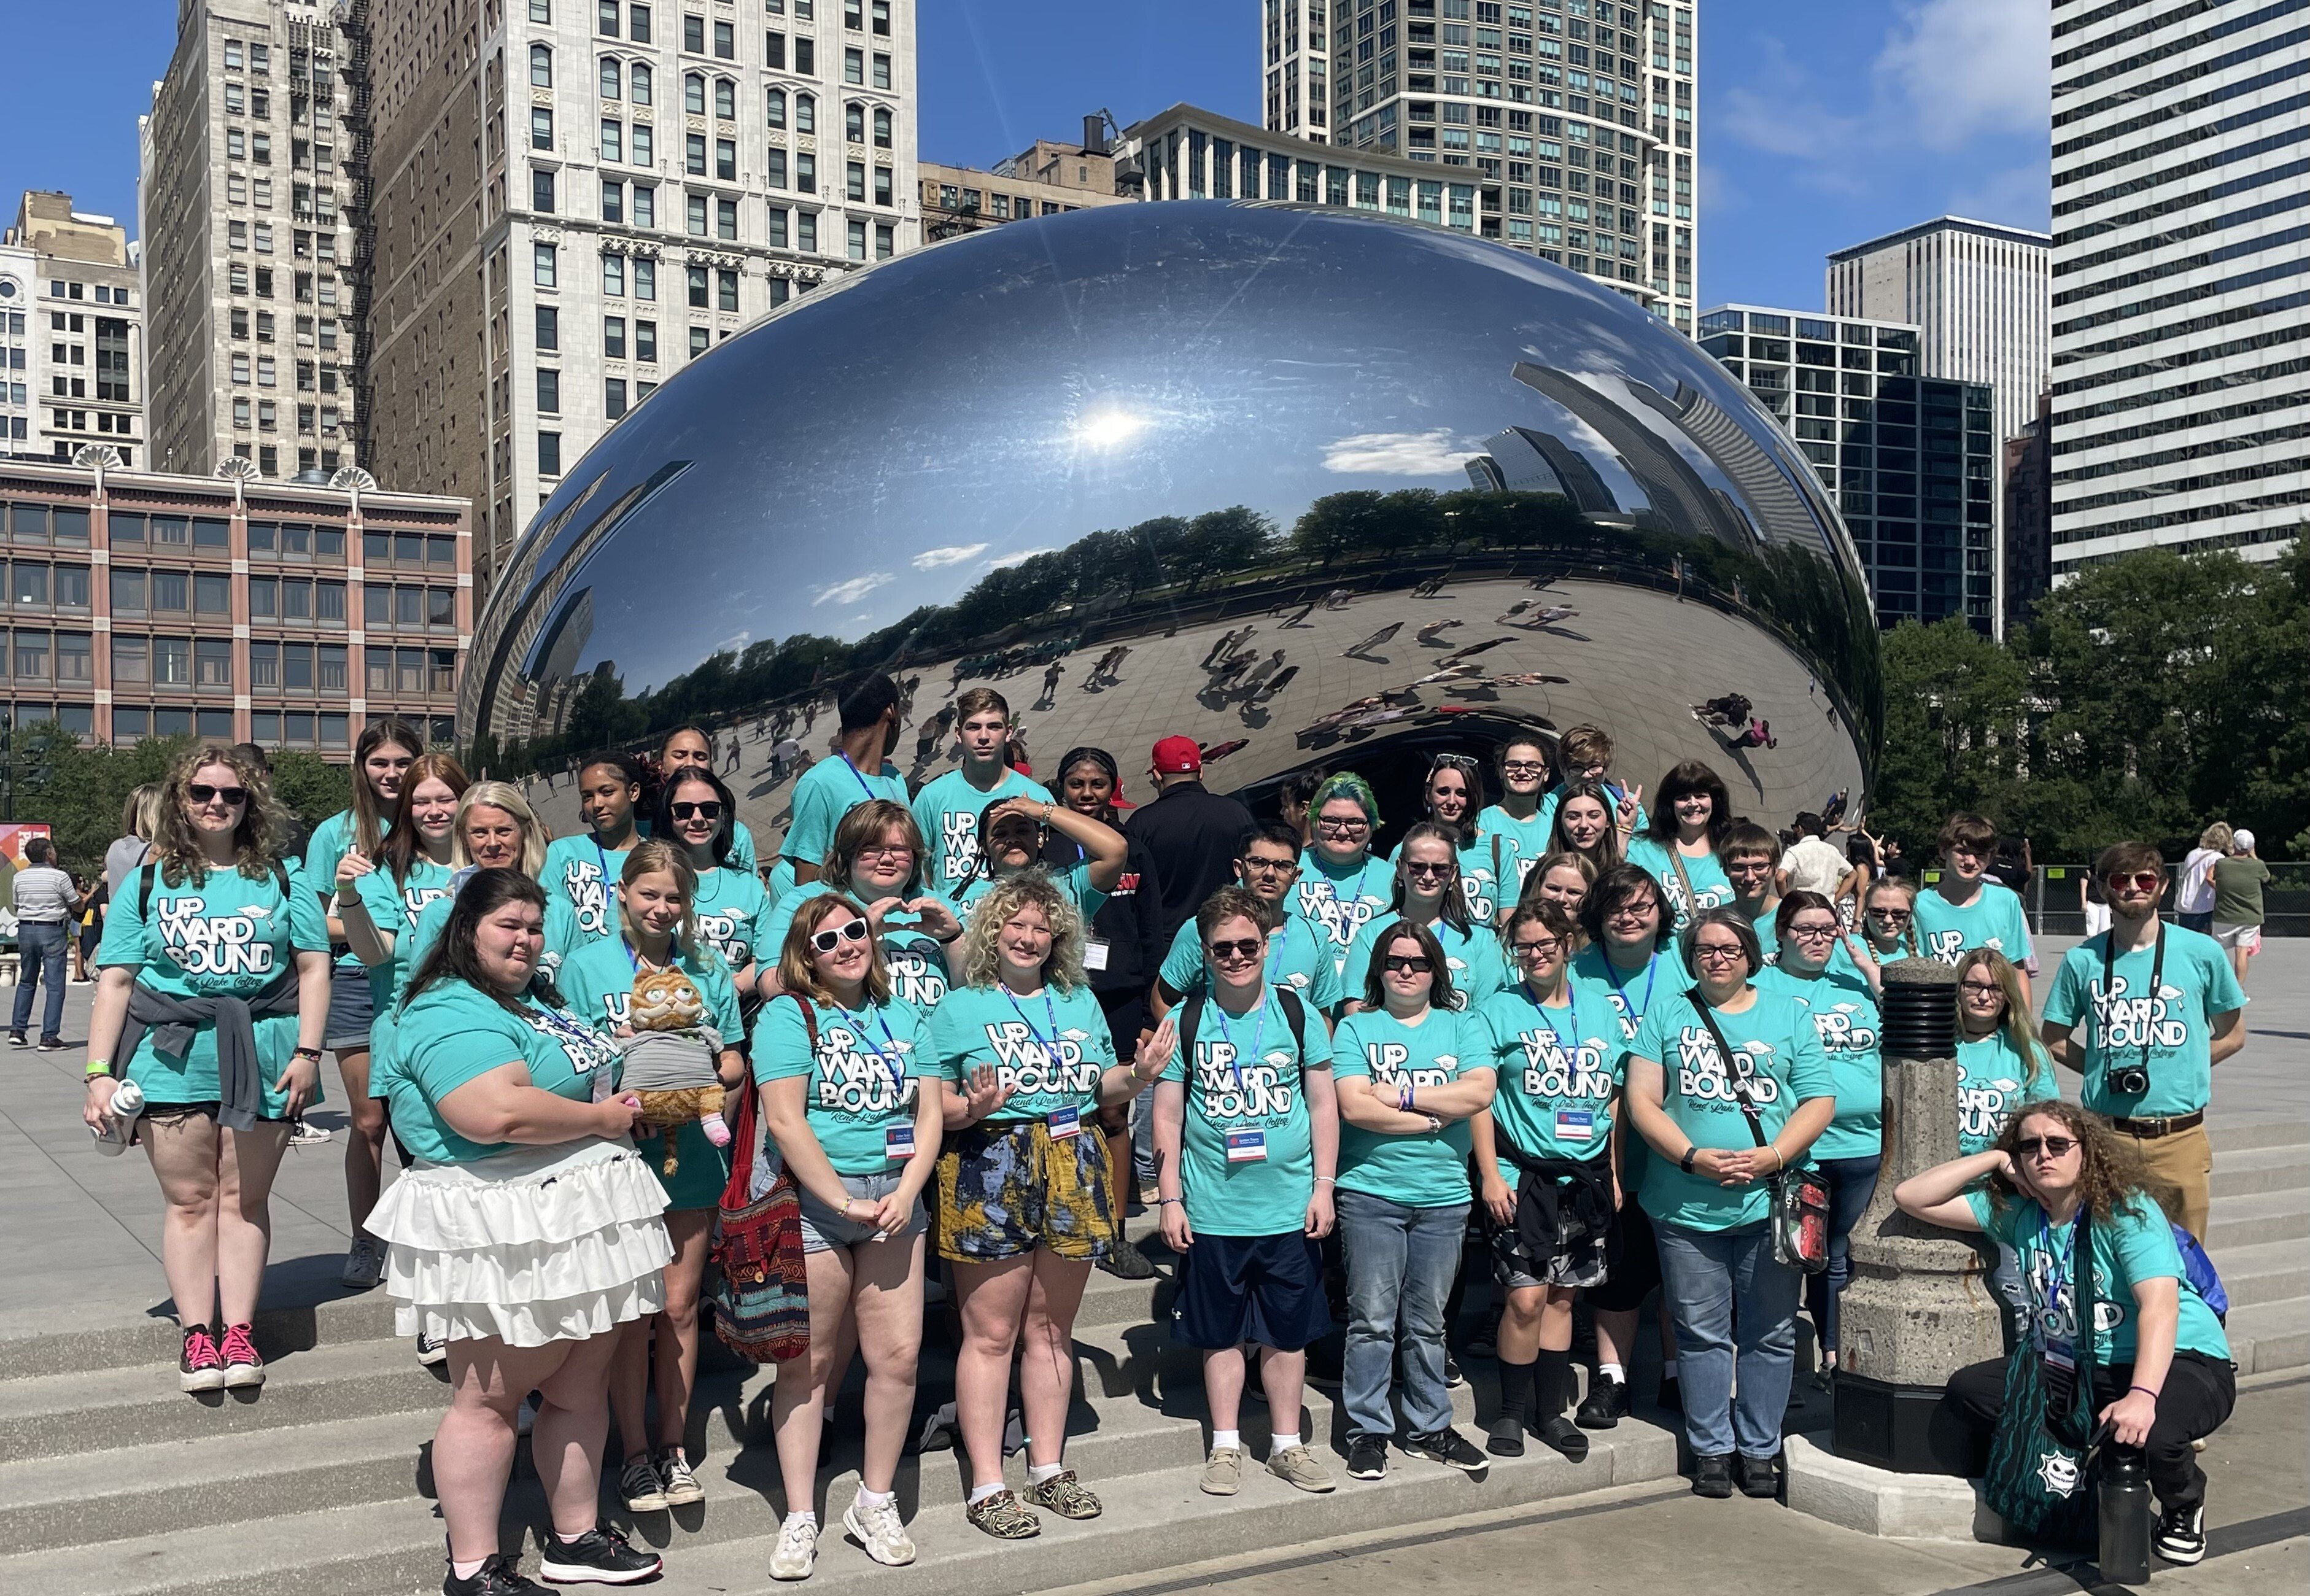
{"points": [[1451, 762], [1892, 916], [2052, 1147], [2140, 881], [826, 941], [711, 810], [1540, 948], [1421, 867], [1407, 964], [1243, 948], [201, 793]]}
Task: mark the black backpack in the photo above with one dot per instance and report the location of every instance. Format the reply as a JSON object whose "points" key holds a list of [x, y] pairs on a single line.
{"points": [[1191, 1015]]}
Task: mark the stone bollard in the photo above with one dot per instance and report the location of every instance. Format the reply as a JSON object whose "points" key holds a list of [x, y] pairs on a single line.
{"points": [[1918, 1306]]}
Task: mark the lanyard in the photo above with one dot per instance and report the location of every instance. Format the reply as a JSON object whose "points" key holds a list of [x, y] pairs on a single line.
{"points": [[860, 777], [1258, 1032], [1620, 988], [897, 1069], [2157, 983], [1283, 944], [1051, 1012], [2059, 1283], [1567, 1043]]}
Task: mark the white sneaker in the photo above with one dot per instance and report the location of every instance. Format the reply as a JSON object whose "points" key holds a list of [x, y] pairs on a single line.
{"points": [[306, 1134], [880, 1531], [640, 1489], [796, 1552]]}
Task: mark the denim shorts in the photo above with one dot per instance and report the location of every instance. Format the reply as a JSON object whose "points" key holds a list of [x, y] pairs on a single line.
{"points": [[823, 1229], [352, 1010]]}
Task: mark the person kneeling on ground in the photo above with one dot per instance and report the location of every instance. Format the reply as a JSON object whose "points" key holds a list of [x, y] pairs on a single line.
{"points": [[2160, 1373]]}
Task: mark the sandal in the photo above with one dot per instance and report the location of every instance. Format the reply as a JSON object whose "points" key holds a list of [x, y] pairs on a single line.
{"points": [[1066, 1495], [1002, 1516]]}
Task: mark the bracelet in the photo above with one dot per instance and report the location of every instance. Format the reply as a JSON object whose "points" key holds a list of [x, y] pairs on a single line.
{"points": [[1165, 1202], [2145, 1390], [1326, 1180], [1691, 1153], [311, 1053], [99, 1068]]}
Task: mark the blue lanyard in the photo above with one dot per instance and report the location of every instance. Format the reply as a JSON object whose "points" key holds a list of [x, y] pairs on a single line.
{"points": [[897, 1069], [1621, 989], [1051, 1012], [1258, 1032], [2059, 1284], [1567, 1043], [860, 777], [1283, 944]]}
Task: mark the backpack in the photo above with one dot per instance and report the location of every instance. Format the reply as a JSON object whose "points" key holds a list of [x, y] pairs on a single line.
{"points": [[2198, 1270], [1191, 1015]]}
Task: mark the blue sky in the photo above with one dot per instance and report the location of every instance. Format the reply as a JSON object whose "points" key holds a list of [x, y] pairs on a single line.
{"points": [[1823, 122]]}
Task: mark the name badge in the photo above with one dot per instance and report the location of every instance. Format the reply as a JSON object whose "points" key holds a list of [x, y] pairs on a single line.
{"points": [[1095, 953], [899, 1141], [1576, 1124], [1247, 1146], [2060, 1358], [1064, 1122]]}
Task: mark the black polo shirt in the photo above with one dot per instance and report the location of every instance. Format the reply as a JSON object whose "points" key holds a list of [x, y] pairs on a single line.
{"points": [[1193, 834]]}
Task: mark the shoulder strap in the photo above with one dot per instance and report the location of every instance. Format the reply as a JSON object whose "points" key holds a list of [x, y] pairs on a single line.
{"points": [[1295, 1014], [1736, 1070], [144, 895], [1191, 1015], [281, 877], [808, 1018], [1692, 907]]}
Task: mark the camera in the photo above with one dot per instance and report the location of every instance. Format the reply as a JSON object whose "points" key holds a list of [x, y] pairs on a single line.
{"points": [[2130, 1080]]}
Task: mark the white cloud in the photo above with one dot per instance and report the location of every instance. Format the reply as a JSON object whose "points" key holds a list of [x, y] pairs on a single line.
{"points": [[850, 592], [930, 560], [1397, 454], [1967, 67], [1003, 561]]}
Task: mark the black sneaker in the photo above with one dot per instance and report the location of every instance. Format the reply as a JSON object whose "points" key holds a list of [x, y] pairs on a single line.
{"points": [[1505, 1437], [599, 1557], [51, 1044], [497, 1576], [1125, 1262], [1450, 1448], [1761, 1477], [1671, 1395], [17, 1039], [1367, 1458], [2181, 1535], [1564, 1437], [1604, 1406], [1712, 1476], [1453, 1378]]}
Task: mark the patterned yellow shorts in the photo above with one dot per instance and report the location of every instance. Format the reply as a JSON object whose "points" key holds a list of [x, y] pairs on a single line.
{"points": [[1006, 1187]]}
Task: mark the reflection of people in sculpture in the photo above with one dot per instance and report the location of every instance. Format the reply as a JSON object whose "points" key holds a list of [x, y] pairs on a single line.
{"points": [[1299, 616], [1051, 675], [1262, 672], [1731, 711], [1337, 599], [1230, 673], [1374, 641], [1434, 629], [1225, 645], [1276, 684], [1759, 735]]}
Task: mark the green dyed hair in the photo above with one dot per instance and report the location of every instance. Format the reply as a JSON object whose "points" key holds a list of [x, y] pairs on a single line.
{"points": [[1346, 783]]}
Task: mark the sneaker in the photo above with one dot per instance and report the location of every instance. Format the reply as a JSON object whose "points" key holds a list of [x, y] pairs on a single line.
{"points": [[1065, 1494], [1002, 1516], [430, 1352], [497, 1576], [599, 1557], [1761, 1477], [880, 1530], [1671, 1395], [304, 1133], [1505, 1437], [1453, 1378], [242, 1367], [1712, 1476], [681, 1486], [1367, 1458], [1300, 1466], [202, 1366], [1222, 1471], [16, 1039], [1125, 1262], [796, 1552], [1604, 1406], [1564, 1437], [51, 1044], [364, 1264], [639, 1487], [2181, 1535], [1450, 1448]]}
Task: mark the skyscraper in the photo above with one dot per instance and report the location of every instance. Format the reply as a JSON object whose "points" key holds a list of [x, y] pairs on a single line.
{"points": [[1576, 116], [2178, 292], [574, 198], [72, 334], [1977, 293], [241, 196]]}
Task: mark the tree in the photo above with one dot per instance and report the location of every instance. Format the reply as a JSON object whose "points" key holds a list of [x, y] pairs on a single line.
{"points": [[1953, 728]]}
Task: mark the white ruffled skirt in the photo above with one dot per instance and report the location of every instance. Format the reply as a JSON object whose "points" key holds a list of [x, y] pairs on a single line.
{"points": [[539, 1245]]}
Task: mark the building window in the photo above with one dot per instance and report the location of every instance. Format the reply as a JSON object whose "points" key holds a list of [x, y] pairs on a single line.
{"points": [[693, 35], [541, 128], [693, 93], [773, 107], [613, 396], [775, 167], [645, 150], [854, 67], [172, 661], [543, 264], [697, 214], [645, 204], [613, 276], [807, 57], [882, 186], [773, 51], [541, 66], [698, 285], [613, 139], [805, 113], [726, 219], [549, 327], [613, 200], [212, 663], [805, 172], [725, 289], [886, 240], [726, 160], [541, 191], [725, 41], [641, 81], [857, 231], [645, 343], [613, 337], [881, 128], [881, 78], [701, 341], [549, 390], [881, 13], [638, 24], [548, 453], [131, 660], [646, 280], [806, 231], [606, 18], [778, 224], [611, 78], [853, 180]]}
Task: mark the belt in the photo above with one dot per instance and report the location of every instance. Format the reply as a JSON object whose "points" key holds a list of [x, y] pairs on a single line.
{"points": [[2150, 1130]]}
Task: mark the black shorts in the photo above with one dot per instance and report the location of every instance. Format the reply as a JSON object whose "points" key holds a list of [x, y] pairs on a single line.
{"points": [[1636, 1271], [1263, 1289]]}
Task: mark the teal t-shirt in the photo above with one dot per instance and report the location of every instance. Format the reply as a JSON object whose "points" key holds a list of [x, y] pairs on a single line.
{"points": [[916, 961], [1561, 1070], [597, 982], [324, 850], [1994, 919], [1299, 956], [1426, 1168], [1523, 844], [2176, 1022], [1342, 902], [1072, 880], [583, 875], [948, 809], [1480, 877], [394, 911], [828, 791], [731, 910], [2135, 1243], [409, 952], [1248, 1095], [1473, 956], [1844, 1015], [1777, 1041], [1994, 1083], [223, 936], [1050, 1050], [866, 1075], [1632, 997], [451, 1034], [1710, 885]]}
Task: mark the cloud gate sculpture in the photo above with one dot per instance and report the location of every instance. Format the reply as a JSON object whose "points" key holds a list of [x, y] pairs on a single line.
{"points": [[1441, 491]]}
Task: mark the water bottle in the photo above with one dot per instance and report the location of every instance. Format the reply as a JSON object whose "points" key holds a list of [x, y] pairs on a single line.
{"points": [[127, 1103], [2125, 1517]]}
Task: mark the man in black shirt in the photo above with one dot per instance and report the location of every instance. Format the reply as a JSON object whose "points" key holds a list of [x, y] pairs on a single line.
{"points": [[1193, 833]]}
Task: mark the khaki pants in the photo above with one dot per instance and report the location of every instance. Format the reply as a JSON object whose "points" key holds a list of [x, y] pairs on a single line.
{"points": [[2185, 1161]]}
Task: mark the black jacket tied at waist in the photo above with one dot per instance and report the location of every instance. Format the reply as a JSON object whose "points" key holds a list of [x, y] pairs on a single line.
{"points": [[173, 1022], [1560, 1203]]}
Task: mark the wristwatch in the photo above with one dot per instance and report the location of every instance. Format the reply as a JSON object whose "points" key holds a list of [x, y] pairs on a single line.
{"points": [[1435, 1125], [1691, 1153]]}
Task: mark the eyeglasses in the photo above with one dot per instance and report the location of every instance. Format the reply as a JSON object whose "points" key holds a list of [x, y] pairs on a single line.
{"points": [[826, 941], [1718, 952], [1521, 768], [1984, 989], [1343, 827], [1451, 762], [2140, 881], [1813, 933], [1631, 914], [1750, 867], [1540, 948], [1420, 867], [2052, 1147], [1407, 964], [1242, 948], [894, 850], [711, 810], [201, 792], [1269, 866], [1892, 916]]}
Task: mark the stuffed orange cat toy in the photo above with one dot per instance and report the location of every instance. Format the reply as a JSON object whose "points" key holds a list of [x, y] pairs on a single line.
{"points": [[669, 1059]]}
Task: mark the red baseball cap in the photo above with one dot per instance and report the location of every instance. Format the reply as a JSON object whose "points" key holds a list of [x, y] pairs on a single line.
{"points": [[1177, 756]]}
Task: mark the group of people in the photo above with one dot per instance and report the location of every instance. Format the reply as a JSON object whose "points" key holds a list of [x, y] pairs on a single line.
{"points": [[980, 1020]]}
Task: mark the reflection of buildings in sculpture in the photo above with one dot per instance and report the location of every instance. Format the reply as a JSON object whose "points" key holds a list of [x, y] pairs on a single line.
{"points": [[1775, 497], [1523, 460], [1683, 501], [557, 681]]}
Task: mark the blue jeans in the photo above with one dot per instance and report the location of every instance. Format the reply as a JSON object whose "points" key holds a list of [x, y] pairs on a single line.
{"points": [[1401, 1264], [1851, 1183], [1735, 1310], [40, 951]]}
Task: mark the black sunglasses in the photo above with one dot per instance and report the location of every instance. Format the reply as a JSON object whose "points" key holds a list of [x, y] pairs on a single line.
{"points": [[826, 941], [2058, 1147], [1408, 964], [711, 810], [201, 793], [1244, 948]]}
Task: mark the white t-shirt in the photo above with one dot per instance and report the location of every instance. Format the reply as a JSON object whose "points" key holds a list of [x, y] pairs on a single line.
{"points": [[2194, 894], [1814, 865]]}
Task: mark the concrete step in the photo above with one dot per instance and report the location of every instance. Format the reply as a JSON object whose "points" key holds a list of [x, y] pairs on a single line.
{"points": [[2270, 1272], [2240, 1136], [2261, 1169], [2270, 1335], [303, 1315], [2249, 1221]]}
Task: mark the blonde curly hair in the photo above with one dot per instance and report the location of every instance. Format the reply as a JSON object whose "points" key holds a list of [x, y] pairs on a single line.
{"points": [[257, 841], [980, 959]]}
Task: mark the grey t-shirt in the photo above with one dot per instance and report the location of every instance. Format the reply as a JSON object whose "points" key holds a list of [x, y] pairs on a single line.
{"points": [[44, 894], [125, 855]]}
